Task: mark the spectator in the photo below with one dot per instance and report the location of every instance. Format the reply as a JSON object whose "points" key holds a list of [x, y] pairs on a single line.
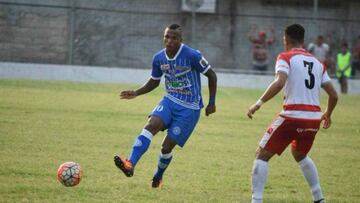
{"points": [[355, 66], [343, 67], [319, 49], [259, 50]]}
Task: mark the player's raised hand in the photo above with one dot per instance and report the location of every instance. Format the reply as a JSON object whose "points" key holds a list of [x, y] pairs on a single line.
{"points": [[211, 108], [327, 120], [252, 110], [128, 94]]}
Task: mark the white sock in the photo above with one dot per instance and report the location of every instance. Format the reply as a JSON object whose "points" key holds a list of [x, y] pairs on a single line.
{"points": [[258, 180], [147, 134], [308, 168]]}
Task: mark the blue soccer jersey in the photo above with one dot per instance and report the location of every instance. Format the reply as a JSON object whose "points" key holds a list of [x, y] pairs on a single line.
{"points": [[182, 75]]}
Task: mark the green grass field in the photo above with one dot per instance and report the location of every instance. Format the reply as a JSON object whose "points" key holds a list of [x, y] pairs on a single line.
{"points": [[43, 124]]}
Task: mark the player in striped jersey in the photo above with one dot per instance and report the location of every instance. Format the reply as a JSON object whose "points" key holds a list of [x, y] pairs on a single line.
{"points": [[303, 76], [179, 110]]}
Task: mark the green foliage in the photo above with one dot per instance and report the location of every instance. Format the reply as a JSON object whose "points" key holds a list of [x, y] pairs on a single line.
{"points": [[43, 124]]}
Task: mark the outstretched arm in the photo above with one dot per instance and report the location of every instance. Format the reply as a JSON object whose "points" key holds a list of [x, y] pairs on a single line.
{"points": [[150, 85], [269, 93], [212, 78], [333, 97]]}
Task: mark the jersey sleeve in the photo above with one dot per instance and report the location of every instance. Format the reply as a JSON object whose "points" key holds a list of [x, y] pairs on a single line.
{"points": [[325, 78], [156, 72], [200, 63], [282, 64]]}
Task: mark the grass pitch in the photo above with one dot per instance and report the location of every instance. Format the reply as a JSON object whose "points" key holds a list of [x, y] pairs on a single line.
{"points": [[43, 124]]}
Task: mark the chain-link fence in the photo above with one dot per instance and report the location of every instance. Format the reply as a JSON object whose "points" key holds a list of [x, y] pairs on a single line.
{"points": [[126, 33]]}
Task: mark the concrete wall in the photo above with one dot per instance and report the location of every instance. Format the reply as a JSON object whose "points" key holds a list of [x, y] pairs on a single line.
{"points": [[126, 33], [130, 75], [36, 34]]}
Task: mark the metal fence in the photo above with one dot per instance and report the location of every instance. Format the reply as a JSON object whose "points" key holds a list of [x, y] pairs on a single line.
{"points": [[127, 33]]}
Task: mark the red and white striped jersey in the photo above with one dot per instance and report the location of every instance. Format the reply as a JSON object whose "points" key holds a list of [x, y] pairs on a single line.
{"points": [[306, 75]]}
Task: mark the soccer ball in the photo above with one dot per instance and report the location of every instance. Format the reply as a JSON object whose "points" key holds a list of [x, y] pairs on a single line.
{"points": [[69, 174]]}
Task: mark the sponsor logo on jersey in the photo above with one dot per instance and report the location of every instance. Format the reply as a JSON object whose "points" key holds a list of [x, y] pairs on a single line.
{"points": [[182, 68], [178, 83], [183, 92], [164, 67]]}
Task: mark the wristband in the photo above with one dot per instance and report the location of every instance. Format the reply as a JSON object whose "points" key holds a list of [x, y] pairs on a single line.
{"points": [[259, 102], [212, 100]]}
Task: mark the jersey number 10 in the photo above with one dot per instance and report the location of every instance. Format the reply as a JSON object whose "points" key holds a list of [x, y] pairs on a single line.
{"points": [[309, 83]]}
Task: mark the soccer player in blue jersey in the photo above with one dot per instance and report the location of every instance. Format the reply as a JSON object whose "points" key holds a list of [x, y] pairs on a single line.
{"points": [[179, 110]]}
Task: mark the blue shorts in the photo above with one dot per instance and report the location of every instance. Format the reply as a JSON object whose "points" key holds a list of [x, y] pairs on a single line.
{"points": [[180, 121]]}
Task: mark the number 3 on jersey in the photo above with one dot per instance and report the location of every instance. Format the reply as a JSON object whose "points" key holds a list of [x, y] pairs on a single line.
{"points": [[311, 82]]}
